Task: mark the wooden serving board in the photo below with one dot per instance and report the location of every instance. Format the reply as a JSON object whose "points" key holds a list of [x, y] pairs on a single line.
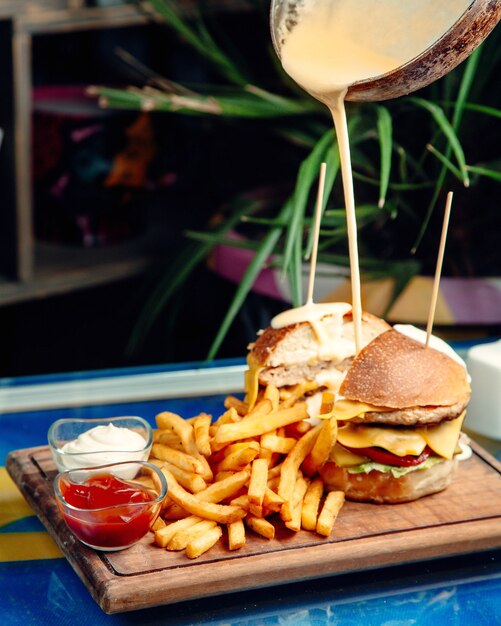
{"points": [[463, 519]]}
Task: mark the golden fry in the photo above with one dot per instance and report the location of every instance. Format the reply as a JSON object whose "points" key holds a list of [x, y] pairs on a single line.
{"points": [[267, 455], [165, 534], [272, 502], [241, 407], [158, 524], [201, 427], [223, 475], [327, 402], [322, 447], [297, 429], [271, 393], [181, 427], [311, 502], [260, 526], [241, 501], [167, 437], [228, 417], [278, 444], [189, 480], [218, 456], [239, 458], [221, 513], [275, 472], [297, 504], [236, 535], [332, 505], [181, 459], [203, 543], [225, 488], [259, 423], [257, 486], [183, 537], [174, 512], [290, 467]]}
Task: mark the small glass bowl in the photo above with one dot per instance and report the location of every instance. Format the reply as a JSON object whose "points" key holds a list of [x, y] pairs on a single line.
{"points": [[66, 430], [119, 525]]}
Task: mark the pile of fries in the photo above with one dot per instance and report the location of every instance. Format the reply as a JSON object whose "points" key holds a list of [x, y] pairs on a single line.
{"points": [[243, 469]]}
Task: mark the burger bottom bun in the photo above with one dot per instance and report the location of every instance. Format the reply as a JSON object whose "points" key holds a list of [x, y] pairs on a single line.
{"points": [[383, 487]]}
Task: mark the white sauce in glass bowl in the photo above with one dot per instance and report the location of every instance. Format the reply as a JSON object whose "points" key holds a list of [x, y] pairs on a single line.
{"points": [[102, 445]]}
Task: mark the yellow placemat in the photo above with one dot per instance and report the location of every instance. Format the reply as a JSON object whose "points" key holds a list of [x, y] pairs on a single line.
{"points": [[20, 546]]}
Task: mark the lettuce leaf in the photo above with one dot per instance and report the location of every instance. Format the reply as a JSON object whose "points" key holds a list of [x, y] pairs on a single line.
{"points": [[397, 472]]}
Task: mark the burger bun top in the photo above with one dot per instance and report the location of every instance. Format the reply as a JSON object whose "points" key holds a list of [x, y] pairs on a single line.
{"points": [[398, 372]]}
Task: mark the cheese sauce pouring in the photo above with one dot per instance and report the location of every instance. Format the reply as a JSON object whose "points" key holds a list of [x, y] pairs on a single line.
{"points": [[328, 45]]}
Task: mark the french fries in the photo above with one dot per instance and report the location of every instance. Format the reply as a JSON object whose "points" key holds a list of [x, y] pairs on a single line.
{"points": [[311, 503], [290, 468], [201, 427], [260, 422], [322, 447], [225, 514], [248, 469], [257, 486], [203, 542], [236, 535], [183, 537], [332, 505]]}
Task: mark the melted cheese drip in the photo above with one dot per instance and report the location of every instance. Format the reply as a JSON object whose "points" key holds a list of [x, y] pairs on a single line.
{"points": [[348, 409], [330, 346], [311, 312], [345, 458], [251, 381]]}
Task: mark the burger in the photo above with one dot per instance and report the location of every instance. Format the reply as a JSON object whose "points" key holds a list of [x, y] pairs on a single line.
{"points": [[400, 410], [308, 356]]}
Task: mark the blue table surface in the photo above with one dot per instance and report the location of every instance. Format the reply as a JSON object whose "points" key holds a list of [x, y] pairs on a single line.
{"points": [[457, 590]]}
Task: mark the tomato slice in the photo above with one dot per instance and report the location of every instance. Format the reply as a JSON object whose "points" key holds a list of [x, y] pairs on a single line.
{"points": [[380, 455]]}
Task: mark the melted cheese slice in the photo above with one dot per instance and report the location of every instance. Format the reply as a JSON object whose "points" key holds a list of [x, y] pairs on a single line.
{"points": [[399, 441], [348, 409], [251, 382], [345, 458], [443, 438]]}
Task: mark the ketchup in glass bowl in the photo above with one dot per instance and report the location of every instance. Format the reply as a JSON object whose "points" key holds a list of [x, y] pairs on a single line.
{"points": [[111, 507]]}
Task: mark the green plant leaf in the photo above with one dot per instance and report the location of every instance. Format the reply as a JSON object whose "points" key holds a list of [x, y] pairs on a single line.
{"points": [[445, 161], [464, 89], [385, 134], [467, 79], [296, 274], [201, 41], [483, 108], [446, 127], [253, 269], [485, 171]]}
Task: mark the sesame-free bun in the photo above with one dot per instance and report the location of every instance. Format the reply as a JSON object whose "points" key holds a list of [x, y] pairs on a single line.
{"points": [[383, 487], [398, 372]]}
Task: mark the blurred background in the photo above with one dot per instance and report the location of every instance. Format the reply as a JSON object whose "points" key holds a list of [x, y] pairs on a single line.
{"points": [[153, 156]]}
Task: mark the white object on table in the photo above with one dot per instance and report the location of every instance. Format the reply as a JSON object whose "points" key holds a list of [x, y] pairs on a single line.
{"points": [[484, 411]]}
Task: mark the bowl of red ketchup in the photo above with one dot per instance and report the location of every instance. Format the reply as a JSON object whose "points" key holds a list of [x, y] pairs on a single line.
{"points": [[111, 507]]}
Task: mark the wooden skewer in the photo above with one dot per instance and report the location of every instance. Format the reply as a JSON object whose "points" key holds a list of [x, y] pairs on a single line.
{"points": [[316, 233], [438, 270]]}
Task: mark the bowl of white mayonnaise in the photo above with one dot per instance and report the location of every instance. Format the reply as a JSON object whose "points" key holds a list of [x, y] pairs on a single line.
{"points": [[80, 443]]}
